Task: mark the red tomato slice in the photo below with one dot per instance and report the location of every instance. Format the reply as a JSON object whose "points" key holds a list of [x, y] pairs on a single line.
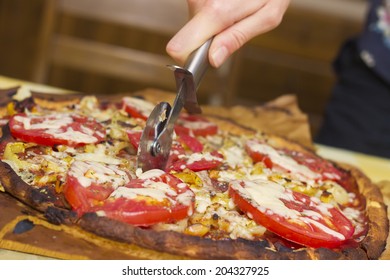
{"points": [[279, 160], [327, 170], [137, 107], [177, 152], [57, 129], [291, 215], [191, 142], [134, 137], [152, 198], [89, 183], [198, 162], [195, 124], [315, 164], [257, 156]]}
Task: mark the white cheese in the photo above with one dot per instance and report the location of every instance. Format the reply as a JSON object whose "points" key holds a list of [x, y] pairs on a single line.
{"points": [[145, 107], [284, 161], [94, 172], [234, 156], [132, 193], [72, 135], [152, 173], [51, 123], [202, 156], [267, 197], [186, 198], [100, 154], [22, 93], [54, 125]]}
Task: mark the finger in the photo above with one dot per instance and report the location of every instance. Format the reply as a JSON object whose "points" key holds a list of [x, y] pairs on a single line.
{"points": [[234, 37], [210, 20], [194, 6]]}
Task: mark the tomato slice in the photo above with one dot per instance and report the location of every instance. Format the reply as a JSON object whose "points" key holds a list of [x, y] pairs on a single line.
{"points": [[196, 125], [291, 215], [57, 129], [257, 156], [198, 161], [327, 170], [177, 152], [191, 142], [278, 160], [152, 198], [89, 183], [134, 137], [137, 107]]}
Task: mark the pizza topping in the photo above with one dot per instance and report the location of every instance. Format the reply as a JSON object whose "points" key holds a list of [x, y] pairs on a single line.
{"points": [[103, 153], [137, 107], [89, 183], [297, 217], [273, 157], [134, 137], [3, 121], [195, 125], [89, 173], [191, 143], [154, 197], [198, 161], [55, 129], [234, 156]]}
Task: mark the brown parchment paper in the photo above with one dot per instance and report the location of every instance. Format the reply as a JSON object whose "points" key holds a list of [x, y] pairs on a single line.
{"points": [[281, 116]]}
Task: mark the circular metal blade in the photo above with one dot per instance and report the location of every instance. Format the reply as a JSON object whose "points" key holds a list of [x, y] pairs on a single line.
{"points": [[153, 150]]}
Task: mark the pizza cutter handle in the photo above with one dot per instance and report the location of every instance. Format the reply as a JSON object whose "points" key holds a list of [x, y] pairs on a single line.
{"points": [[198, 62]]}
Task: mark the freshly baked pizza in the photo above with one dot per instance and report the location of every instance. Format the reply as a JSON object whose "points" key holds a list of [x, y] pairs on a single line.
{"points": [[228, 192]]}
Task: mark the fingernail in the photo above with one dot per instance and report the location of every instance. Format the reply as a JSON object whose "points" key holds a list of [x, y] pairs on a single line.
{"points": [[219, 56]]}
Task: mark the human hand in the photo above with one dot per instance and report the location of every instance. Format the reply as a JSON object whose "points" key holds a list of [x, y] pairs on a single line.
{"points": [[233, 22]]}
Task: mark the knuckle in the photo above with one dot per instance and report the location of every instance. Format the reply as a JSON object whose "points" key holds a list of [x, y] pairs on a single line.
{"points": [[237, 39], [274, 18], [216, 9]]}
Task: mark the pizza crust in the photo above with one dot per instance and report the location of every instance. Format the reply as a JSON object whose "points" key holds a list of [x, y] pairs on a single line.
{"points": [[39, 199], [375, 241], [201, 248]]}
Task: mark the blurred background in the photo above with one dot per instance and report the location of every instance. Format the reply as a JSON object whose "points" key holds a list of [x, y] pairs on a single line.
{"points": [[50, 42]]}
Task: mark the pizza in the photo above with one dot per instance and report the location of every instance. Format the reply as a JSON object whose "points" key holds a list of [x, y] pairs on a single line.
{"points": [[228, 192]]}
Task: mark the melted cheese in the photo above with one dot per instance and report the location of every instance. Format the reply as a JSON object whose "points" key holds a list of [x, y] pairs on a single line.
{"points": [[234, 156], [144, 106], [267, 197], [100, 154], [54, 125], [53, 122], [131, 193], [284, 161], [23, 93], [93, 172], [73, 135], [202, 156], [149, 174], [156, 190]]}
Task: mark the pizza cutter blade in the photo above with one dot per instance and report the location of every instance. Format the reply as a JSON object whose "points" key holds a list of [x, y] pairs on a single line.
{"points": [[157, 136], [154, 154]]}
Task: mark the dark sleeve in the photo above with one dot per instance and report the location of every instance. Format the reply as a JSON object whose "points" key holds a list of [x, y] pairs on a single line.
{"points": [[374, 41]]}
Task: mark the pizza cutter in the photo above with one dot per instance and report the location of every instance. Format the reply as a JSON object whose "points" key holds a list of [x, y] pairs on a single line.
{"points": [[157, 136]]}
